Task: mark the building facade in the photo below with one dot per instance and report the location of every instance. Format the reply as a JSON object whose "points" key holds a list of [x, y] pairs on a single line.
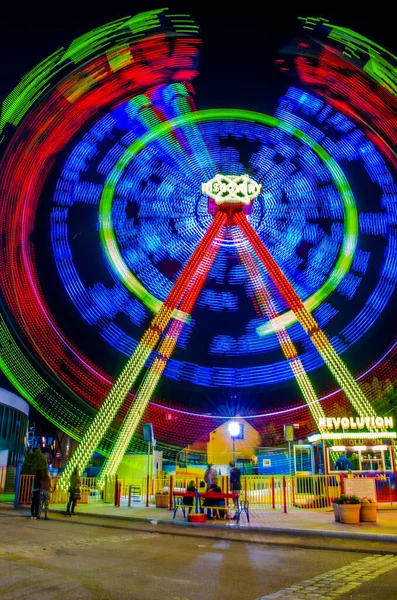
{"points": [[221, 448], [14, 421]]}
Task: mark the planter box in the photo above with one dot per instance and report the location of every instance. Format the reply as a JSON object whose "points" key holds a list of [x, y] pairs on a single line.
{"points": [[350, 513], [368, 513], [162, 500]]}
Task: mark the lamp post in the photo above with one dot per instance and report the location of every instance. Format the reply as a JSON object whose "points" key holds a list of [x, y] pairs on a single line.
{"points": [[234, 428]]}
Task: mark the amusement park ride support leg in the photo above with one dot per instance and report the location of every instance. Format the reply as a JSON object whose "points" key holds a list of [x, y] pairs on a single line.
{"points": [[135, 364], [308, 322], [153, 374], [268, 308]]}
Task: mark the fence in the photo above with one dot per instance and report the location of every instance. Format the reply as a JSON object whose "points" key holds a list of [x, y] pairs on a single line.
{"points": [[89, 491], [299, 491], [263, 492]]}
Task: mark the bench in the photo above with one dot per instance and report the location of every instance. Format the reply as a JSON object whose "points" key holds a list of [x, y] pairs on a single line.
{"points": [[180, 497]]}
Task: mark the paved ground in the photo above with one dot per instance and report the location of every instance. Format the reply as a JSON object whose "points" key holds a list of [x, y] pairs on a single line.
{"points": [[97, 558]]}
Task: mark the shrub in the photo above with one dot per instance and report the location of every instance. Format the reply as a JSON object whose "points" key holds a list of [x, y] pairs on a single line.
{"points": [[367, 500], [343, 499]]}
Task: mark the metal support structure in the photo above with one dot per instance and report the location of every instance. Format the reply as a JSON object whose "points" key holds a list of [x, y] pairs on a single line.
{"points": [[162, 335]]}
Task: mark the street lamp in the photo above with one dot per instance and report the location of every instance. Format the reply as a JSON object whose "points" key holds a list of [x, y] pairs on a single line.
{"points": [[234, 428]]}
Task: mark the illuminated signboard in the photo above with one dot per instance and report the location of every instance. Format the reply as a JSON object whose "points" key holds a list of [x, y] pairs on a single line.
{"points": [[356, 422], [232, 189]]}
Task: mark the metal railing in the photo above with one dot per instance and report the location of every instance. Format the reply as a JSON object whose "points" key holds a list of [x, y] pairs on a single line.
{"points": [[89, 491], [25, 489], [263, 492], [298, 491]]}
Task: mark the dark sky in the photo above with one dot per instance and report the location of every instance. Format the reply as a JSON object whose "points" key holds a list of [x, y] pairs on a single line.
{"points": [[237, 55]]}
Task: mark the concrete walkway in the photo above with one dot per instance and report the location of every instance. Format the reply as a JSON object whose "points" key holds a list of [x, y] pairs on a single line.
{"points": [[295, 521]]}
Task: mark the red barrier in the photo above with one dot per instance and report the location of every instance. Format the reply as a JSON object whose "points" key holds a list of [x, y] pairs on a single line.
{"points": [[285, 494], [293, 490], [171, 489], [273, 494]]}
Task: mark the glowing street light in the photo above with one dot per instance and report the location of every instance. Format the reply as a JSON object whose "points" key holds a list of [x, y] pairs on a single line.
{"points": [[234, 428]]}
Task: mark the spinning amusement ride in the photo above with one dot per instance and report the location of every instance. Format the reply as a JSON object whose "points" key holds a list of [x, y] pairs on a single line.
{"points": [[216, 248]]}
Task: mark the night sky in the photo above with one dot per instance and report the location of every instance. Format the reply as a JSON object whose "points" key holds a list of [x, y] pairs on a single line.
{"points": [[236, 57]]}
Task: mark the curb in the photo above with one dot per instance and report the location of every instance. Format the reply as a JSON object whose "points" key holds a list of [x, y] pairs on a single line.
{"points": [[246, 527], [243, 528]]}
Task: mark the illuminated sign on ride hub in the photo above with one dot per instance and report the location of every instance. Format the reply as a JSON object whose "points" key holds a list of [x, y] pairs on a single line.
{"points": [[356, 422], [231, 189]]}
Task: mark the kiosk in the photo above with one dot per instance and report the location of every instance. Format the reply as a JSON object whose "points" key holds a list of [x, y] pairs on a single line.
{"points": [[346, 445]]}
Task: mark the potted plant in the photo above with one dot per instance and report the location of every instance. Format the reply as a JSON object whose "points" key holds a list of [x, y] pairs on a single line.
{"points": [[162, 499], [349, 508], [335, 506], [368, 511]]}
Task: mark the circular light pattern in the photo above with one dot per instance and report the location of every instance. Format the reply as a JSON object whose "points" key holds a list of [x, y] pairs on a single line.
{"points": [[348, 245], [101, 181]]}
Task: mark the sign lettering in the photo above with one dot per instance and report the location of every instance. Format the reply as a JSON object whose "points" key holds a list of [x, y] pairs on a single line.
{"points": [[356, 422], [231, 189]]}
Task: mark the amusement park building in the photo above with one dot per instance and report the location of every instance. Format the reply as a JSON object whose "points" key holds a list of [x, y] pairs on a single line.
{"points": [[14, 419], [220, 445]]}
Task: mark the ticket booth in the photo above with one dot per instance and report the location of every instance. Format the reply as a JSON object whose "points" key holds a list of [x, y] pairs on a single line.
{"points": [[358, 453], [360, 458]]}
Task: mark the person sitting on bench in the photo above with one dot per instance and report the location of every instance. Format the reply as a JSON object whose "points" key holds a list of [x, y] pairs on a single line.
{"points": [[214, 487], [189, 501]]}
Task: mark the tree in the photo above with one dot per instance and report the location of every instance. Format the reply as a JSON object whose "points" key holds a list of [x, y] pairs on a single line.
{"points": [[40, 460], [27, 467], [34, 461]]}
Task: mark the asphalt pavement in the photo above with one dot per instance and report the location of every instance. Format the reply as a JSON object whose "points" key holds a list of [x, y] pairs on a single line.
{"points": [[143, 558]]}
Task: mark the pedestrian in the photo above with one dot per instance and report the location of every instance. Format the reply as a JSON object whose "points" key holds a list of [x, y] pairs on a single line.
{"points": [[46, 487], [74, 492], [235, 482], [189, 500], [35, 496], [235, 478], [343, 463], [209, 476]]}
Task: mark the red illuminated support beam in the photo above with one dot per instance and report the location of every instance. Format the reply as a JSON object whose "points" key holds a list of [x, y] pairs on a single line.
{"points": [[306, 319], [164, 352], [148, 343]]}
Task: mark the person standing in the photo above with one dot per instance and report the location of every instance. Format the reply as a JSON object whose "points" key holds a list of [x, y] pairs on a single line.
{"points": [[343, 463], [34, 507], [74, 492], [209, 476], [235, 481], [235, 478], [46, 487]]}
